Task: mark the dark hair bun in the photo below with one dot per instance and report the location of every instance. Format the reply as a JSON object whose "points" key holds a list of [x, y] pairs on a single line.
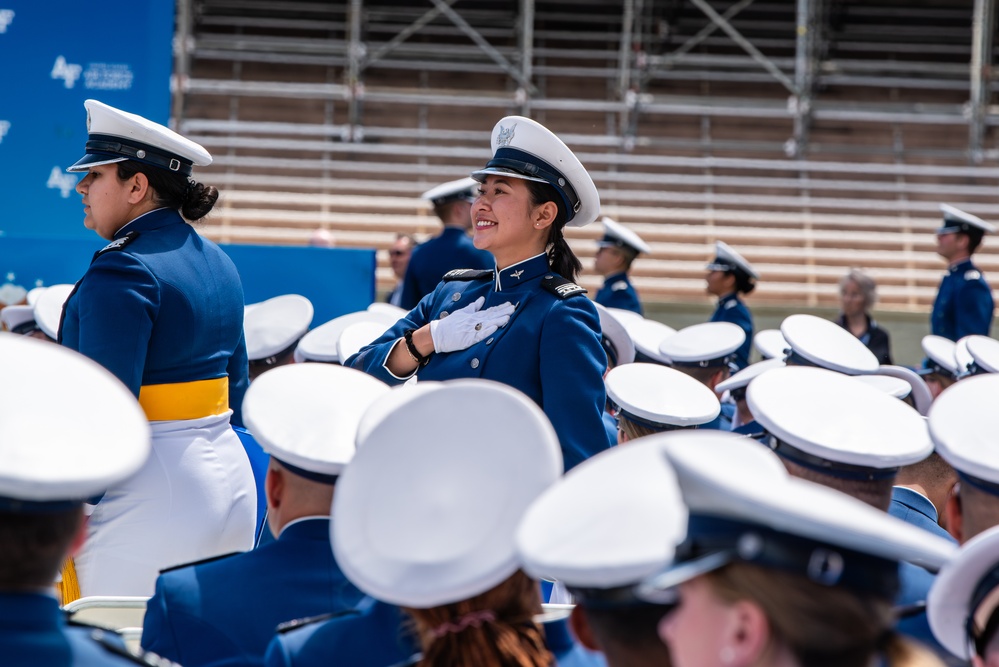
{"points": [[200, 199]]}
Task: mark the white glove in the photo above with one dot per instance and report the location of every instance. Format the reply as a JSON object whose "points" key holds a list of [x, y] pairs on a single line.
{"points": [[467, 326]]}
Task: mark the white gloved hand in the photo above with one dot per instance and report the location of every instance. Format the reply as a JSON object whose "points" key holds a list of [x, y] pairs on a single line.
{"points": [[467, 326]]}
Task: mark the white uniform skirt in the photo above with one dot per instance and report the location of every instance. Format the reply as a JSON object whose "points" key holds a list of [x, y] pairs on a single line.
{"points": [[193, 499]]}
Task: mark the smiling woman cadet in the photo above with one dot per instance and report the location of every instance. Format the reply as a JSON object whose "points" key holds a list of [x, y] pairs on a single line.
{"points": [[526, 323], [162, 309]]}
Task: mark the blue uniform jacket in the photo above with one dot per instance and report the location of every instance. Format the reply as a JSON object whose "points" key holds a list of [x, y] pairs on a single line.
{"points": [[753, 429], [379, 636], [610, 425], [914, 509], [618, 292], [732, 309], [963, 305], [160, 305], [451, 249], [34, 632], [228, 609], [549, 350]]}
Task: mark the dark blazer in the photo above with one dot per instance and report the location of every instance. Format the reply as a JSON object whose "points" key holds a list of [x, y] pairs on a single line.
{"points": [[875, 338]]}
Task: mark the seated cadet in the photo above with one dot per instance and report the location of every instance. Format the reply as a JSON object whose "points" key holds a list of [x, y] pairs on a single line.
{"points": [[743, 421], [984, 353], [620, 350], [272, 329], [649, 398], [963, 423], [615, 254], [647, 335], [629, 503], [964, 303], [921, 491], [455, 574], [813, 341], [50, 465], [964, 601], [705, 352], [20, 320], [730, 275], [320, 343], [777, 571], [831, 429], [770, 343], [305, 416], [919, 394], [449, 250], [940, 369], [48, 310]]}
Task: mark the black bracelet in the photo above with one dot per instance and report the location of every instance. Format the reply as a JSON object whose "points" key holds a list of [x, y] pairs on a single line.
{"points": [[413, 352]]}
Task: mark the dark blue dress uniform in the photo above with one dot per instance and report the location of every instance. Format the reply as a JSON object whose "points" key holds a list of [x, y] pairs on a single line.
{"points": [[160, 305], [964, 304], [227, 609], [379, 635], [732, 309], [915, 509], [451, 249], [34, 633], [618, 292], [550, 349]]}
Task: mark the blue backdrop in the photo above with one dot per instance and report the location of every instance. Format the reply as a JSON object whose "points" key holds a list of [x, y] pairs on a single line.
{"points": [[54, 54], [336, 280]]}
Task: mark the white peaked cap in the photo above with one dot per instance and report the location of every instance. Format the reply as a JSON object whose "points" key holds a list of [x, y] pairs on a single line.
{"points": [[306, 415], [426, 517], [69, 429]]}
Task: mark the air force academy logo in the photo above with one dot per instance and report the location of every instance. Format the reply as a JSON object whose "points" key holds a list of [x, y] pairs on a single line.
{"points": [[6, 18], [60, 180], [68, 72]]}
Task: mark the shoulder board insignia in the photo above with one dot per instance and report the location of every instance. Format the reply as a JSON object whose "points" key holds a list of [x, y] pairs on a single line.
{"points": [[288, 626], [107, 640], [467, 274], [972, 275], [619, 285], [200, 562], [731, 304], [118, 244], [561, 287]]}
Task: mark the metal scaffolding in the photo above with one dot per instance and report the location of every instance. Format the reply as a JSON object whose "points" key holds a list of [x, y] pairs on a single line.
{"points": [[787, 51]]}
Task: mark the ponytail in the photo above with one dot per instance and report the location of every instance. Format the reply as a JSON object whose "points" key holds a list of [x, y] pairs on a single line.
{"points": [[493, 629], [561, 259]]}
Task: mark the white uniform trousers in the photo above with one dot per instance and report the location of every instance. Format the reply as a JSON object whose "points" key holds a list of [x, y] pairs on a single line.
{"points": [[194, 498]]}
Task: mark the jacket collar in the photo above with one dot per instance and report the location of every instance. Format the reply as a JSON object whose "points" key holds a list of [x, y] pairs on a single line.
{"points": [[30, 611], [307, 528], [615, 277], [151, 220], [521, 272], [915, 501], [963, 265]]}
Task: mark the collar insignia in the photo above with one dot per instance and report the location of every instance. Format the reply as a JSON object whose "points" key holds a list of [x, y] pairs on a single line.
{"points": [[517, 274]]}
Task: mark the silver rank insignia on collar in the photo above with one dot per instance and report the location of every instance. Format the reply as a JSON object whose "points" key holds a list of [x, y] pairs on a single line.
{"points": [[517, 274]]}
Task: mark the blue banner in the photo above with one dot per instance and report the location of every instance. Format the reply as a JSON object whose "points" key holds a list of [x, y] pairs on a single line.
{"points": [[336, 280], [55, 55]]}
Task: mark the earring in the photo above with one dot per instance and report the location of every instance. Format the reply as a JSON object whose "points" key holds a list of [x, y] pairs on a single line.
{"points": [[727, 655]]}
